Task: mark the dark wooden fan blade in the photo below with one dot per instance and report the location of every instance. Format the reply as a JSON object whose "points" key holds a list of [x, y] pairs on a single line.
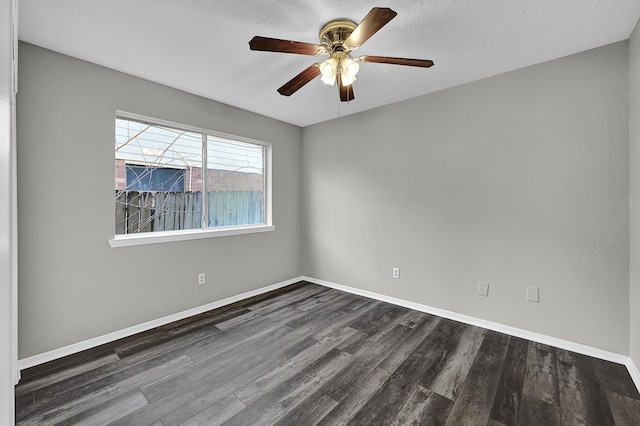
{"points": [[346, 92], [293, 85], [425, 63], [377, 18], [285, 46]]}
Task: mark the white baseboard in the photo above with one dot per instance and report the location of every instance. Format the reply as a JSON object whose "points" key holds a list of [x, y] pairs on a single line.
{"points": [[634, 372], [501, 328], [130, 331]]}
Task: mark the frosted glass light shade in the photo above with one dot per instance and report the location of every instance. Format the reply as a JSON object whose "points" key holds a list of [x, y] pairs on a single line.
{"points": [[349, 68], [329, 69]]}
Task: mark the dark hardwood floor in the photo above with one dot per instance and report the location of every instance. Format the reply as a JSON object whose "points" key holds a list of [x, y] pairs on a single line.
{"points": [[310, 355]]}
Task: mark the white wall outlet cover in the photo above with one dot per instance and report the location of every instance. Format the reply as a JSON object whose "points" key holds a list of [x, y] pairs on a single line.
{"points": [[533, 294], [483, 289]]}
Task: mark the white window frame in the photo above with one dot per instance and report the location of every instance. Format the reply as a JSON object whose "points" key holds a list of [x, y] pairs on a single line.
{"points": [[126, 240]]}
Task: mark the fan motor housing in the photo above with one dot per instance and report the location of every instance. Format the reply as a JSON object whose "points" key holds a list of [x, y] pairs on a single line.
{"points": [[335, 32]]}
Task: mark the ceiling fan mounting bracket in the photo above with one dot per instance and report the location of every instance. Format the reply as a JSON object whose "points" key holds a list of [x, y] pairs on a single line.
{"points": [[334, 33]]}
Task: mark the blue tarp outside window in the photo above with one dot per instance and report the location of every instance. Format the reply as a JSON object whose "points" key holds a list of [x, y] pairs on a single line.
{"points": [[160, 179]]}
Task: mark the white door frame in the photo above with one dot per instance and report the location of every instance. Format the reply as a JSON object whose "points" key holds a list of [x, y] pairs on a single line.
{"points": [[9, 373]]}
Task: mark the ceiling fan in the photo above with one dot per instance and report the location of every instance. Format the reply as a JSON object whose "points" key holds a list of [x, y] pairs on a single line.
{"points": [[338, 38]]}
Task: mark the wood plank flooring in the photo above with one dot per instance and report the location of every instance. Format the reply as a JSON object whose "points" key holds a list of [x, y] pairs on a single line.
{"points": [[308, 355]]}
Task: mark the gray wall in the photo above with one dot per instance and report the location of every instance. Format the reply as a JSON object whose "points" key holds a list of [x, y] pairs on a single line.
{"points": [[517, 180], [634, 193], [72, 285]]}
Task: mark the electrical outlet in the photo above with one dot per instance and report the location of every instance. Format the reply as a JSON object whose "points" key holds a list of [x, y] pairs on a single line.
{"points": [[533, 294], [201, 278], [483, 289], [396, 272]]}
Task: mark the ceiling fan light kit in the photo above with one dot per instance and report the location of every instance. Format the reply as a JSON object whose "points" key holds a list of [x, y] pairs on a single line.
{"points": [[339, 63], [338, 38]]}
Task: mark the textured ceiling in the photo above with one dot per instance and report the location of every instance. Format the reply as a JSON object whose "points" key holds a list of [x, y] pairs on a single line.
{"points": [[201, 46]]}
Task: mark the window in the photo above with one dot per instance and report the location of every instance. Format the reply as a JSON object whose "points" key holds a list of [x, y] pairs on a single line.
{"points": [[161, 185]]}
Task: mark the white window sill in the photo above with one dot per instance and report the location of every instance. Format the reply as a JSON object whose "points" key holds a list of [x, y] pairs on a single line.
{"points": [[194, 234]]}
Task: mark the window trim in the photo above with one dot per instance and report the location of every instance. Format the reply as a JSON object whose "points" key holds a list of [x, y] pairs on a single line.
{"points": [[126, 240]]}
